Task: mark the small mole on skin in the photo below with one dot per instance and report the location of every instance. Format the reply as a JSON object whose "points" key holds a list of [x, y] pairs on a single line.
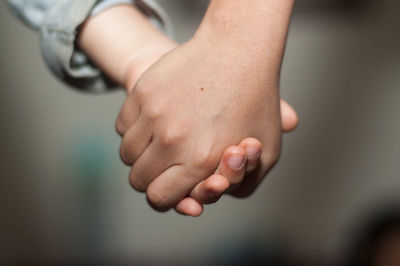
{"points": [[202, 89]]}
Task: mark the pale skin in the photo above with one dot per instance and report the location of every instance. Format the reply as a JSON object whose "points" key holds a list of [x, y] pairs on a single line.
{"points": [[185, 123]]}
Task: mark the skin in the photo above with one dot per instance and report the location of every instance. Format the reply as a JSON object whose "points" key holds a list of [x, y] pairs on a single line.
{"points": [[179, 163]]}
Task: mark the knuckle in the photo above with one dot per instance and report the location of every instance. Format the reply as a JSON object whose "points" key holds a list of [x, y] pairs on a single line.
{"points": [[206, 160], [212, 195], [140, 90], [171, 136], [157, 200], [136, 183], [119, 127], [153, 112], [123, 153]]}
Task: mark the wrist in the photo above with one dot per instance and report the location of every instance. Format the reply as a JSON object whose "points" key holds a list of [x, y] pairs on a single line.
{"points": [[121, 41], [253, 29], [137, 64]]}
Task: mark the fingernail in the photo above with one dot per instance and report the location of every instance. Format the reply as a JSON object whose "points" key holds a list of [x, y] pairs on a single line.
{"points": [[252, 151], [236, 162]]}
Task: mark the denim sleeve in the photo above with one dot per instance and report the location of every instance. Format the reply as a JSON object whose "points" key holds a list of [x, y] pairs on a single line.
{"points": [[57, 22]]}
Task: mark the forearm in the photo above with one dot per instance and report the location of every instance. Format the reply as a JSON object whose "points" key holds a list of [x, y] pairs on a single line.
{"points": [[120, 40], [251, 29]]}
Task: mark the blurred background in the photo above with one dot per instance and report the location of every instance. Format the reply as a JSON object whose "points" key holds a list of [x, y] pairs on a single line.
{"points": [[332, 199]]}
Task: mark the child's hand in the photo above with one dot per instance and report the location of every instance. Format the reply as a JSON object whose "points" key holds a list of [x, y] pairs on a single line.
{"points": [[199, 99], [234, 164], [228, 177], [187, 108]]}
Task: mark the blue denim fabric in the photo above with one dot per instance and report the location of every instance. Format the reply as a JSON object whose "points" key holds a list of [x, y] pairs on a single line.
{"points": [[57, 22]]}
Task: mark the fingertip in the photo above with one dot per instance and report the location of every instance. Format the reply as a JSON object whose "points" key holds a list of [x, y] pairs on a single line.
{"points": [[234, 158], [216, 185], [210, 190], [290, 118], [234, 150], [293, 122], [253, 148], [189, 207]]}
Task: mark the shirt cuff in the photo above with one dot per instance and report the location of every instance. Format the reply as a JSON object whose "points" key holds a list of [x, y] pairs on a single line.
{"points": [[58, 40]]}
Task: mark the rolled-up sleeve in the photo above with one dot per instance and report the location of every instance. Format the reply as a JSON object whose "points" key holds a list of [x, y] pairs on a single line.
{"points": [[58, 22]]}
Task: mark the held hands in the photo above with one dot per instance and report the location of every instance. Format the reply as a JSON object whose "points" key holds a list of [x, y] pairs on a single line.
{"points": [[182, 116], [194, 102]]}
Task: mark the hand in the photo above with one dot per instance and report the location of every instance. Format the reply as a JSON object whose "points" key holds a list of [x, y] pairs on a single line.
{"points": [[227, 177], [186, 114], [211, 189], [235, 161], [141, 44]]}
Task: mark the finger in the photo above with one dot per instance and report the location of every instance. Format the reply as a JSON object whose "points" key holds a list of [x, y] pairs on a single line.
{"points": [[170, 187], [289, 117], [253, 148], [230, 172], [253, 179], [189, 206], [232, 164], [135, 141], [127, 116], [150, 164], [210, 190]]}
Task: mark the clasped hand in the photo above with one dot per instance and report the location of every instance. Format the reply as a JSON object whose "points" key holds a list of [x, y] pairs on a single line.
{"points": [[194, 126]]}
